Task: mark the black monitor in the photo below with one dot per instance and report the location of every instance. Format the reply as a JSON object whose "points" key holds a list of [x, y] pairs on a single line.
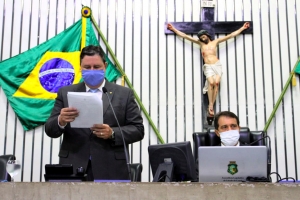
{"points": [[172, 162], [62, 173]]}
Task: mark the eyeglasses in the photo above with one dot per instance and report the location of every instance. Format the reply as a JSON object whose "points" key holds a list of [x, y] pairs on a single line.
{"points": [[226, 127]]}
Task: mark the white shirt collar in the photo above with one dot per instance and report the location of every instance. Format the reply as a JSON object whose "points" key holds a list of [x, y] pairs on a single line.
{"points": [[100, 87]]}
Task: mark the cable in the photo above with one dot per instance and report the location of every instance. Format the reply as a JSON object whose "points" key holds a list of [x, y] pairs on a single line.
{"points": [[281, 179], [276, 174], [287, 178]]}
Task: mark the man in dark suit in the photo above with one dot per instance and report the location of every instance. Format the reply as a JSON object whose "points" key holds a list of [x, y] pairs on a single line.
{"points": [[227, 127], [98, 149]]}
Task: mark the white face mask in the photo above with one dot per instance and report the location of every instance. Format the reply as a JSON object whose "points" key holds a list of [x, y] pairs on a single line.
{"points": [[230, 138]]}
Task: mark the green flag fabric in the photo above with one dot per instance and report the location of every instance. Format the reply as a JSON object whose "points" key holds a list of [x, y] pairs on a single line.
{"points": [[31, 79], [297, 70]]}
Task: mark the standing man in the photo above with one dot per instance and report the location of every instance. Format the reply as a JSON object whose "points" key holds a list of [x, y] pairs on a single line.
{"points": [[212, 67], [98, 149]]}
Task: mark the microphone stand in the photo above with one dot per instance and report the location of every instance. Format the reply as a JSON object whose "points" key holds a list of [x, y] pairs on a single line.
{"points": [[124, 144]]}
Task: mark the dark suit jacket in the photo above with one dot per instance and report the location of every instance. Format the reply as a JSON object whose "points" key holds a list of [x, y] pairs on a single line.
{"points": [[107, 156]]}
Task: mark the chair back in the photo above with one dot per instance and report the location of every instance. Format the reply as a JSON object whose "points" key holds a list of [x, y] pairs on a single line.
{"points": [[136, 172], [3, 173]]}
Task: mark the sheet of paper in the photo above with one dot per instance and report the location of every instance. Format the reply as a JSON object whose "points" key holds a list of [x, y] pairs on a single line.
{"points": [[90, 109]]}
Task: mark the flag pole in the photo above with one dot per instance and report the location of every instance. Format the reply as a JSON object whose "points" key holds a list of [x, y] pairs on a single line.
{"points": [[281, 96], [128, 82]]}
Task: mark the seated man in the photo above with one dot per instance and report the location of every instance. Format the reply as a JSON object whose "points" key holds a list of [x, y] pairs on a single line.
{"points": [[227, 127]]}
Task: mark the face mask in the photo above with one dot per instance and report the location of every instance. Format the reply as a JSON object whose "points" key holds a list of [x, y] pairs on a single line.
{"points": [[93, 77], [230, 138]]}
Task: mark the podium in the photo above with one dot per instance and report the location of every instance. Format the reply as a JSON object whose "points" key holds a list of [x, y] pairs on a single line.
{"points": [[65, 178], [143, 190]]}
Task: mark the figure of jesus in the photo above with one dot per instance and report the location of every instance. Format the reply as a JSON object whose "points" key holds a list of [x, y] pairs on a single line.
{"points": [[212, 67]]}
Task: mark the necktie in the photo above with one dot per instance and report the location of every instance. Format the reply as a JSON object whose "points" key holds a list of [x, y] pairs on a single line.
{"points": [[94, 90]]}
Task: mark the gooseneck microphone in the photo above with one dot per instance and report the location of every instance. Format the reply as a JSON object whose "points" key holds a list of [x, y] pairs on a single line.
{"points": [[269, 152], [250, 144], [124, 144]]}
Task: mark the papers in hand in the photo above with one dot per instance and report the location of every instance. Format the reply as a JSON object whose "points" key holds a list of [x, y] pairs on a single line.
{"points": [[90, 109]]}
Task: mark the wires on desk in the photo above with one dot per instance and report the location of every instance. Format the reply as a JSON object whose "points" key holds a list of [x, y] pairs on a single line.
{"points": [[281, 179]]}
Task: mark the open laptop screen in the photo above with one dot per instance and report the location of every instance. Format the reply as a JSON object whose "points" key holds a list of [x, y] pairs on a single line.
{"points": [[222, 164]]}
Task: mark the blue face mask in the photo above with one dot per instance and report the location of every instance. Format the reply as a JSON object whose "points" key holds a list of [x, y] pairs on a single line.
{"points": [[93, 77]]}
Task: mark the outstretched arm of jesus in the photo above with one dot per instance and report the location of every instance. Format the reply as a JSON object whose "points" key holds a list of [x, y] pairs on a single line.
{"points": [[181, 34], [233, 34]]}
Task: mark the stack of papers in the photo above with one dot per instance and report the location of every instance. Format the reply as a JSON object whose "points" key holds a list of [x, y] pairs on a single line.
{"points": [[90, 107]]}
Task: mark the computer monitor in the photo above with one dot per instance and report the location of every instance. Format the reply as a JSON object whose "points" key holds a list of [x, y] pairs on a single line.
{"points": [[62, 173], [172, 162]]}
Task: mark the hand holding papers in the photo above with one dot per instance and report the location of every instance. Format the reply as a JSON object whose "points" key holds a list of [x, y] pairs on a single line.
{"points": [[90, 109]]}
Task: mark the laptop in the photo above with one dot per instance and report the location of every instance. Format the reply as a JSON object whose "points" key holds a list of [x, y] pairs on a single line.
{"points": [[231, 164]]}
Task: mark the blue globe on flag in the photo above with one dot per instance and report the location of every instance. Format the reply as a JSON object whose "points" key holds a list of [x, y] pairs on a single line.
{"points": [[56, 73]]}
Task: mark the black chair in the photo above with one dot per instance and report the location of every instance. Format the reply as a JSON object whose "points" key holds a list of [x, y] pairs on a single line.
{"points": [[210, 138], [136, 172], [3, 173]]}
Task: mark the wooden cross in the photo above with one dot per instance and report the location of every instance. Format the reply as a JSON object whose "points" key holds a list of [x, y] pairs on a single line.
{"points": [[213, 28], [208, 24]]}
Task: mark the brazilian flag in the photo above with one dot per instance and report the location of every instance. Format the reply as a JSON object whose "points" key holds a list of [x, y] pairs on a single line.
{"points": [[297, 69], [31, 79]]}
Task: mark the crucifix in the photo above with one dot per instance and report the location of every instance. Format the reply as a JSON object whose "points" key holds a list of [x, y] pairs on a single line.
{"points": [[212, 67]]}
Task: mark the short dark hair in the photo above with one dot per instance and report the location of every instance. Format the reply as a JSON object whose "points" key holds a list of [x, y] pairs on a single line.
{"points": [[92, 50], [226, 114]]}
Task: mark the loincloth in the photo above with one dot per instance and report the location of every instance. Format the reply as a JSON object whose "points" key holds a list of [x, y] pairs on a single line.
{"points": [[211, 70]]}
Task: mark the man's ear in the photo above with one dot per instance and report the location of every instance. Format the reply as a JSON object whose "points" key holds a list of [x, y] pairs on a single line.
{"points": [[217, 133]]}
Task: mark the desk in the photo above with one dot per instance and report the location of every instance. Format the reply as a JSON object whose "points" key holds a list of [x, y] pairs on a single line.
{"points": [[90, 190]]}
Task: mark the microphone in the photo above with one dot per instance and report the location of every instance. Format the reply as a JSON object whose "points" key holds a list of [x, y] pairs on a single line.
{"points": [[124, 144], [250, 144], [269, 152]]}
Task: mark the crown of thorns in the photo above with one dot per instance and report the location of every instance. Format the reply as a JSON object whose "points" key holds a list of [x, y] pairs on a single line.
{"points": [[203, 32]]}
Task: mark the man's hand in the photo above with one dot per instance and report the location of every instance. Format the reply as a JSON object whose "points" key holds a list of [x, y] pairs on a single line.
{"points": [[170, 27], [102, 131], [246, 25], [67, 115]]}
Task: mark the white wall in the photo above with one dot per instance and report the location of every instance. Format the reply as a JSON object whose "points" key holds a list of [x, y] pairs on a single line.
{"points": [[166, 71]]}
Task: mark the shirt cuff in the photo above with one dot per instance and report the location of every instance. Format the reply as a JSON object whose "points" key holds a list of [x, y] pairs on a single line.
{"points": [[62, 127]]}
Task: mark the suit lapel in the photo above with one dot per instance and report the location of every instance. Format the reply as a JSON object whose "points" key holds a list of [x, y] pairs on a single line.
{"points": [[81, 87]]}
